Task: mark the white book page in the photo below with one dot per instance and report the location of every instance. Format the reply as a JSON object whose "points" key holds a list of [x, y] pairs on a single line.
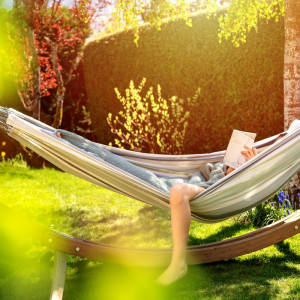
{"points": [[239, 139]]}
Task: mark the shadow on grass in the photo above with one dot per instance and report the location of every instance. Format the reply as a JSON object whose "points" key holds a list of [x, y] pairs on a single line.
{"points": [[224, 233], [251, 278], [149, 224]]}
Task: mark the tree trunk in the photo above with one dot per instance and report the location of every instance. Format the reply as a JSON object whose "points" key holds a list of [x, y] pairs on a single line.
{"points": [[33, 159], [60, 85], [291, 76], [36, 76]]}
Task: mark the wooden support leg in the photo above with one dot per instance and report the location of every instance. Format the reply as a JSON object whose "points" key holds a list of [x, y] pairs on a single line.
{"points": [[59, 276]]}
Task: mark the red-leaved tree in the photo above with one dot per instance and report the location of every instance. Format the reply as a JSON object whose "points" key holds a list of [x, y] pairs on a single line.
{"points": [[46, 40], [53, 37]]}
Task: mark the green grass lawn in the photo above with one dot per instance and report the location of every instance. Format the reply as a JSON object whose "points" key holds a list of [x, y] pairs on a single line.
{"points": [[71, 205]]}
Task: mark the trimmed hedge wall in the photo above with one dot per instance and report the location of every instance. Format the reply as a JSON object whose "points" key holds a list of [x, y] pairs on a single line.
{"points": [[241, 88]]}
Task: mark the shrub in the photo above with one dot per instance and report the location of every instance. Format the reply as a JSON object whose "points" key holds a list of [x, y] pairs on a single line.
{"points": [[151, 123], [270, 211]]}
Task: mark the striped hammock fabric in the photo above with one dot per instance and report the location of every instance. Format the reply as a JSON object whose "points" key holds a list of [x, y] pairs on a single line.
{"points": [[251, 184]]}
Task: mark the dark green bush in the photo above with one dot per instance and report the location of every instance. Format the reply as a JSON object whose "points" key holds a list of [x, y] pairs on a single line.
{"points": [[270, 211], [241, 88]]}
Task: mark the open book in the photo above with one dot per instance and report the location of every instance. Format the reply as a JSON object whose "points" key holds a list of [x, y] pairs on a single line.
{"points": [[233, 157]]}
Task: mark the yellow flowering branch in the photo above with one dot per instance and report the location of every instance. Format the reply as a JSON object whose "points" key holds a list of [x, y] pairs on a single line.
{"points": [[151, 123]]}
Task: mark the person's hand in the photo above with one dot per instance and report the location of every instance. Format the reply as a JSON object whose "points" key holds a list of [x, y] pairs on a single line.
{"points": [[58, 134], [250, 153]]}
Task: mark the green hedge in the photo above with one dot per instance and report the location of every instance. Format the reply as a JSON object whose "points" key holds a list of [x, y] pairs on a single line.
{"points": [[241, 88]]}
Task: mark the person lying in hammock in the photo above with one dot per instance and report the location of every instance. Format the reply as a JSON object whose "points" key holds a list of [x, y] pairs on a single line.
{"points": [[180, 196]]}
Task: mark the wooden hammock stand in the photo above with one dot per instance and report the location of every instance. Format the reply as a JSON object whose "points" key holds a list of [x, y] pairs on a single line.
{"points": [[64, 244]]}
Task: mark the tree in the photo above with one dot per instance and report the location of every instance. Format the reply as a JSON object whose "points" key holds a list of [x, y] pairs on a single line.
{"points": [[240, 17], [292, 62], [131, 13], [54, 36], [46, 40], [291, 75]]}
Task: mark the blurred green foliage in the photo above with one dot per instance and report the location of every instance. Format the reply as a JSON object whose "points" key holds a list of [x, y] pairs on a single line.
{"points": [[240, 87], [240, 17], [10, 59], [3, 50], [130, 12]]}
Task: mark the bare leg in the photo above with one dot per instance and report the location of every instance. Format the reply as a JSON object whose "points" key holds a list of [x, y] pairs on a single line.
{"points": [[180, 196]]}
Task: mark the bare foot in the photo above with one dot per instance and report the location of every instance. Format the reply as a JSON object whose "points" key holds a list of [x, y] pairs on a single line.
{"points": [[172, 274], [58, 134]]}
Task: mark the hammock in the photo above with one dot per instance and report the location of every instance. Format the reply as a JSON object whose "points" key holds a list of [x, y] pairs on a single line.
{"points": [[256, 181], [251, 184]]}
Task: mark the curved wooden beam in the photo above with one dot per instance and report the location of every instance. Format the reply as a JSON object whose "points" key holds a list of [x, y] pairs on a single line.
{"points": [[211, 252]]}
